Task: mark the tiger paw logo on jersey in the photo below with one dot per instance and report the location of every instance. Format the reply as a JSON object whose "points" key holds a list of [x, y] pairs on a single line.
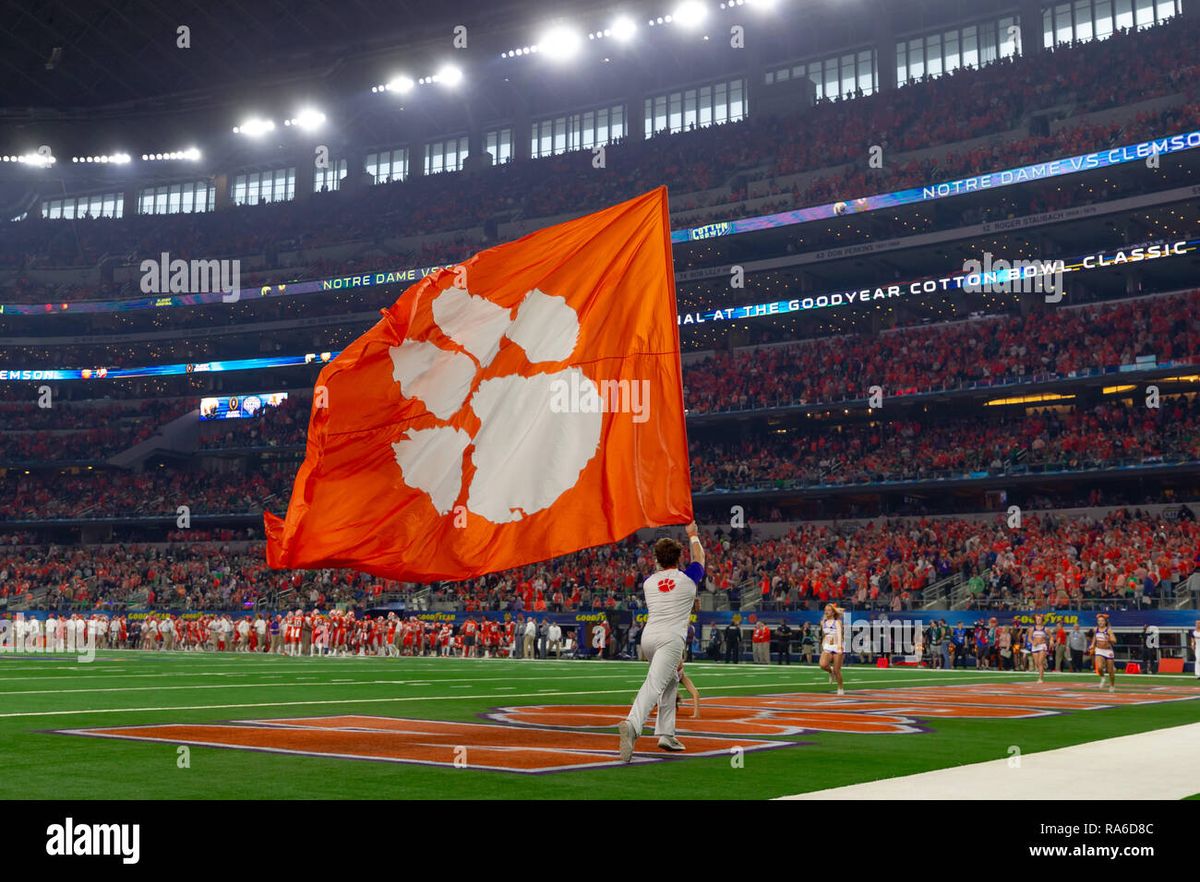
{"points": [[522, 453], [457, 436], [665, 585]]}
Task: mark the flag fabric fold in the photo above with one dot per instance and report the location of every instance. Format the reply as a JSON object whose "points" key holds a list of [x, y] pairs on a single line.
{"points": [[521, 405]]}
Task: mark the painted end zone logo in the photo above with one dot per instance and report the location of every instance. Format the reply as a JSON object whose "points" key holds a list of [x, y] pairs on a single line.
{"points": [[557, 738]]}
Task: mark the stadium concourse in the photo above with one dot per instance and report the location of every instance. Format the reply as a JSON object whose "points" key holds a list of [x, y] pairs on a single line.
{"points": [[973, 466]]}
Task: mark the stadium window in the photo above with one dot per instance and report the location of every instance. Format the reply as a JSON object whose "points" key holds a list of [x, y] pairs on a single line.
{"points": [[577, 131], [933, 55], [987, 43], [73, 207], [1062, 24], [1122, 15], [916, 59], [445, 156], [690, 117], [329, 178], [498, 142], [695, 107], [866, 72], [952, 54], [255, 188], [1010, 37], [970, 44], [901, 65], [720, 103], [386, 166], [1083, 21], [848, 76]]}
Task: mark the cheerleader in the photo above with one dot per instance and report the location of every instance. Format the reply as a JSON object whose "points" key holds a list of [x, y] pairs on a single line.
{"points": [[686, 682], [1103, 648], [833, 645], [1038, 644]]}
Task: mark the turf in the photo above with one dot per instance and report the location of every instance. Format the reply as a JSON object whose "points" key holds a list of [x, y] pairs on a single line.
{"points": [[135, 688]]}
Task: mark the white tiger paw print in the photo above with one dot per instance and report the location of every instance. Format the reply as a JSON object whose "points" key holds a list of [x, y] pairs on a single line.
{"points": [[526, 453]]}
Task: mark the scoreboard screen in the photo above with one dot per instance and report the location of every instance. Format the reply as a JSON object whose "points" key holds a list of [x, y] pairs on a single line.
{"points": [[240, 407]]}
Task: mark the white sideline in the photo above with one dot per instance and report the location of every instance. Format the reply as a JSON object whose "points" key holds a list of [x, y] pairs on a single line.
{"points": [[1163, 764]]}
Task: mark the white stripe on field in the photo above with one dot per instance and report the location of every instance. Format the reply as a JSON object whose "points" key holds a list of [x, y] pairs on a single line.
{"points": [[627, 691], [1163, 764]]}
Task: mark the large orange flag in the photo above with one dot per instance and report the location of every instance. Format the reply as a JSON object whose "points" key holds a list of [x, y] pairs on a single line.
{"points": [[524, 404]]}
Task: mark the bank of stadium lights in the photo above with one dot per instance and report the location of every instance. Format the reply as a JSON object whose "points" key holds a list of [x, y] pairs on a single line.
{"points": [[622, 30], [105, 159], [560, 43], [254, 127], [689, 14], [191, 154], [401, 85], [448, 75], [308, 120], [37, 160]]}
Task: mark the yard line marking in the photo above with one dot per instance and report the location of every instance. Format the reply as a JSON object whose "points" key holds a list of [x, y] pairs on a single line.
{"points": [[393, 699], [1160, 764], [631, 675]]}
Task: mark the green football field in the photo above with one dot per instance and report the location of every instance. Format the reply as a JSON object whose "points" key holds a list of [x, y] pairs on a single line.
{"points": [[193, 726]]}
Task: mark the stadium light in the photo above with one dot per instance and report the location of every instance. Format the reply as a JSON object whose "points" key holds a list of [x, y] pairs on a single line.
{"points": [[560, 43], [449, 76], [191, 153], [689, 14], [254, 127], [113, 158], [623, 29], [401, 85], [39, 160], [308, 119]]}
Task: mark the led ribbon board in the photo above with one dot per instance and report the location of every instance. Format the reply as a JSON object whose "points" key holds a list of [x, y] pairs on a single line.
{"points": [[932, 285], [975, 184]]}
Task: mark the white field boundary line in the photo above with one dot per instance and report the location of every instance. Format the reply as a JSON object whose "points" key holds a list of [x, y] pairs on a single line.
{"points": [[1161, 764], [389, 666], [314, 684], [626, 691], [312, 681]]}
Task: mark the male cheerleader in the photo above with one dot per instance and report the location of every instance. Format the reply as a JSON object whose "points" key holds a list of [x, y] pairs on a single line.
{"points": [[670, 599], [1103, 644]]}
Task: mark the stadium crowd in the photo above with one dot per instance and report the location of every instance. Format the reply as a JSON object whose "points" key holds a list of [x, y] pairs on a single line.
{"points": [[1060, 438], [946, 356], [1127, 556]]}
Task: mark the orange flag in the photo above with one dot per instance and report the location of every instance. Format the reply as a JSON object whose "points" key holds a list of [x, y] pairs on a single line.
{"points": [[525, 404]]}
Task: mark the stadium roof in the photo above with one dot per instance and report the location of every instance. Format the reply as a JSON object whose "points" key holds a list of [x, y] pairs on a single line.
{"points": [[83, 53]]}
